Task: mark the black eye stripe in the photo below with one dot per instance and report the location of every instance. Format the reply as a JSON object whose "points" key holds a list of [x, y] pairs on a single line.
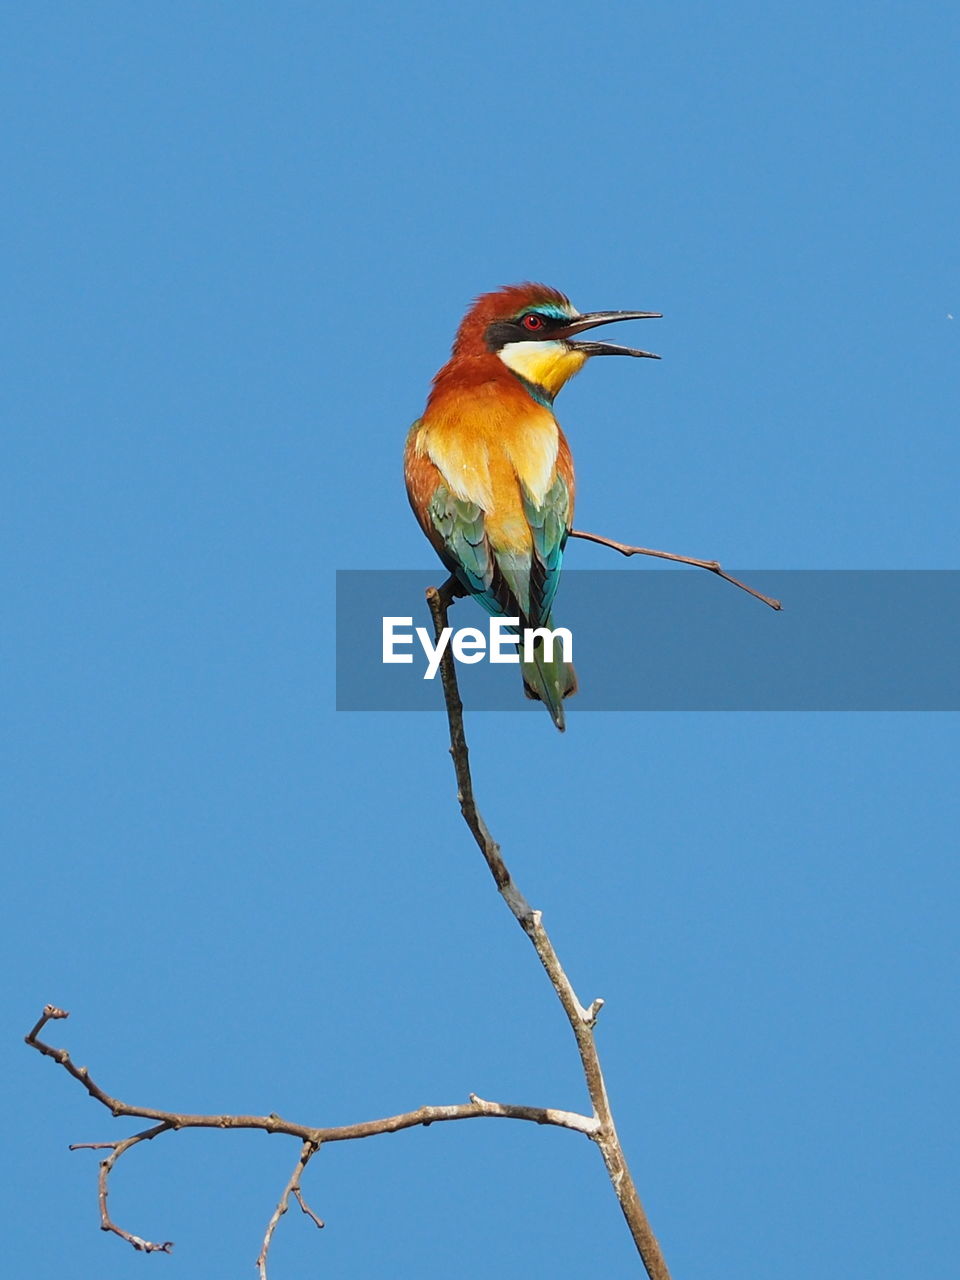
{"points": [[502, 332]]}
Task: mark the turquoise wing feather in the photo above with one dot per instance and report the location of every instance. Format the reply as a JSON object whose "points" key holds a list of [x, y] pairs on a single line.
{"points": [[505, 583], [513, 584], [549, 523], [465, 551]]}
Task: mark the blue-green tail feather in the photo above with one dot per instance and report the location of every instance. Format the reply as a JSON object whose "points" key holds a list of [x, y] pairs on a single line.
{"points": [[549, 679], [513, 584]]}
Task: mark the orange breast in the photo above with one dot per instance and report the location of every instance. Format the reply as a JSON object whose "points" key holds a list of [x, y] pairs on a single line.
{"points": [[486, 440]]}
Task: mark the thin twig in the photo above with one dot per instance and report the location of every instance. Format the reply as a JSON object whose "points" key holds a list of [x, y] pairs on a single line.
{"points": [[712, 565], [307, 1152], [581, 1020], [106, 1166], [306, 1208]]}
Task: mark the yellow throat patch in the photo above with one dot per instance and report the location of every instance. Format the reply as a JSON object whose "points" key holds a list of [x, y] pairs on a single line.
{"points": [[546, 364]]}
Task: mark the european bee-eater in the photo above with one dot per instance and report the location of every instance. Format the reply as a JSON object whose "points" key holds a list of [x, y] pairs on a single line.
{"points": [[489, 472]]}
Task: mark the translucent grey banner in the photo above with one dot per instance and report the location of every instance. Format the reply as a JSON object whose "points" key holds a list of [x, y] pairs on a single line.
{"points": [[673, 640]]}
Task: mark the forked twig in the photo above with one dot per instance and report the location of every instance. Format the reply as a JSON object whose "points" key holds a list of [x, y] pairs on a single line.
{"points": [[581, 1020], [712, 565], [307, 1152]]}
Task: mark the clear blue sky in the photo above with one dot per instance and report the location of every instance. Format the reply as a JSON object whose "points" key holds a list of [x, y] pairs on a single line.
{"points": [[237, 240]]}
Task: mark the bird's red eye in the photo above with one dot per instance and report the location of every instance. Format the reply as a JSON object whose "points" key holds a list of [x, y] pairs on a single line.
{"points": [[532, 321]]}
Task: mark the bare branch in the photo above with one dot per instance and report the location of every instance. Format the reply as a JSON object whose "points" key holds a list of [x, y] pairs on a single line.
{"points": [[712, 565], [475, 1109], [311, 1137], [581, 1020]]}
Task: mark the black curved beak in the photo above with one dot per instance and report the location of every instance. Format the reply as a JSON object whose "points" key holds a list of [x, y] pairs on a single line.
{"points": [[594, 318]]}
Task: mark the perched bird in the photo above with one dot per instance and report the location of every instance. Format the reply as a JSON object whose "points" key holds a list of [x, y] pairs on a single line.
{"points": [[489, 472]]}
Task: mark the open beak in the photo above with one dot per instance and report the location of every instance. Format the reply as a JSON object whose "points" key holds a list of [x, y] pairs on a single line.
{"points": [[594, 318]]}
